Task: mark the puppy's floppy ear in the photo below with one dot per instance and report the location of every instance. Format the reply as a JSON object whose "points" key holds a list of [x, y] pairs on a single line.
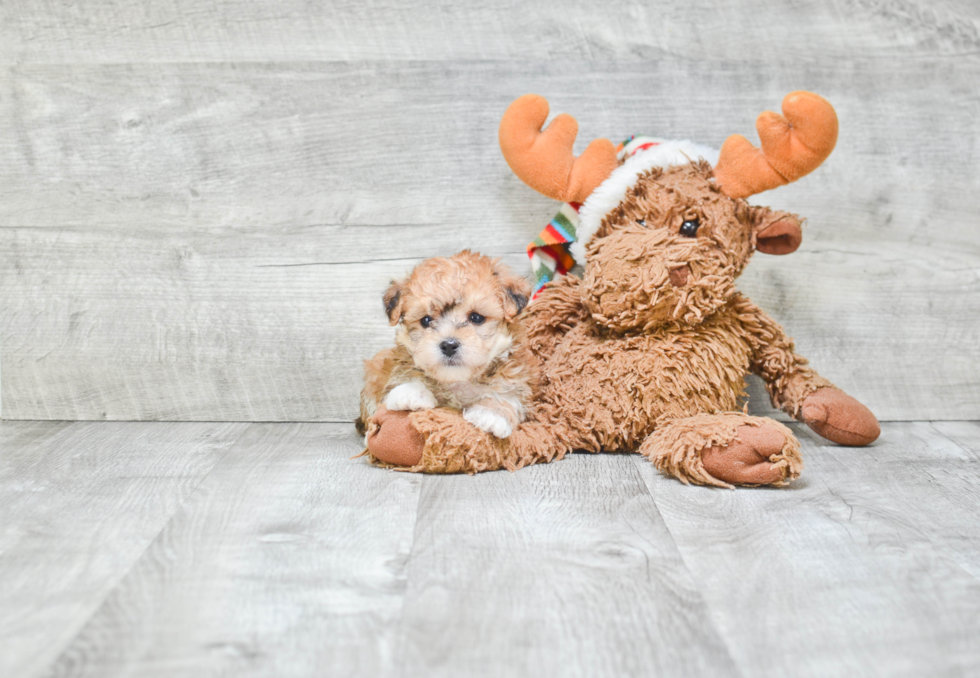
{"points": [[517, 292], [394, 300]]}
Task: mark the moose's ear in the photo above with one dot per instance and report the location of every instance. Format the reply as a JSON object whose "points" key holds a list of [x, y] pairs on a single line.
{"points": [[780, 237], [394, 302]]}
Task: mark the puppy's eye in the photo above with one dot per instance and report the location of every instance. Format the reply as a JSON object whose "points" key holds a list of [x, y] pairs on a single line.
{"points": [[641, 222], [426, 321], [476, 318], [689, 228]]}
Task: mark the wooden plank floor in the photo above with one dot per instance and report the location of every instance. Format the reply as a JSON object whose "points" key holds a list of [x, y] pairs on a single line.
{"points": [[197, 549]]}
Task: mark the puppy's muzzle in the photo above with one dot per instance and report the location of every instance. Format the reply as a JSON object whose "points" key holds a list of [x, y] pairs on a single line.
{"points": [[449, 347]]}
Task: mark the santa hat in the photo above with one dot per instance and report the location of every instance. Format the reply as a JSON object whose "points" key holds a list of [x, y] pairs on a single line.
{"points": [[562, 243]]}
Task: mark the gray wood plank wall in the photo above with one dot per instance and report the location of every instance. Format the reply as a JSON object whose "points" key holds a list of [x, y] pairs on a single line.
{"points": [[200, 203]]}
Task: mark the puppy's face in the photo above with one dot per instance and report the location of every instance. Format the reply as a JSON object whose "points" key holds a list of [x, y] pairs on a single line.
{"points": [[455, 316]]}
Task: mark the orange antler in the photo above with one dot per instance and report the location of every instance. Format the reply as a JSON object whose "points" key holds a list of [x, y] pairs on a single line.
{"points": [[792, 147], [544, 160]]}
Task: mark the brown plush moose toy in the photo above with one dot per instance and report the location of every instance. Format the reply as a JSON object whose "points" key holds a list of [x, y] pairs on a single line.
{"points": [[648, 351]]}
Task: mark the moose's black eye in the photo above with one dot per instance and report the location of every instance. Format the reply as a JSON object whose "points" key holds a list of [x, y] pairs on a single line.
{"points": [[426, 321], [476, 318], [689, 228], [641, 222]]}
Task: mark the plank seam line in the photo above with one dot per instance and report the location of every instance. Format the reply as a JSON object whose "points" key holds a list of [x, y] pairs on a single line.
{"points": [[399, 625], [687, 567], [362, 262], [968, 452]]}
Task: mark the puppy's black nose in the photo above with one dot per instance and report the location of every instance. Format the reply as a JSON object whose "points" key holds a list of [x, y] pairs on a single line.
{"points": [[449, 347]]}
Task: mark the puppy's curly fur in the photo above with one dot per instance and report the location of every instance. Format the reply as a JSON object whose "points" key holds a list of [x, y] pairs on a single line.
{"points": [[459, 344]]}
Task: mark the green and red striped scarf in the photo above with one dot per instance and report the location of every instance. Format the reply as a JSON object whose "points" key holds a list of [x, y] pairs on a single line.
{"points": [[549, 252]]}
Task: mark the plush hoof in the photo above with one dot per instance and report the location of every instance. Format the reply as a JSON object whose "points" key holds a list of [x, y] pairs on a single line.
{"points": [[840, 418], [746, 460], [393, 440]]}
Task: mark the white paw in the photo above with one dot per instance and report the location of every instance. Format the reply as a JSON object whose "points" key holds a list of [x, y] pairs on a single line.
{"points": [[411, 396], [487, 420]]}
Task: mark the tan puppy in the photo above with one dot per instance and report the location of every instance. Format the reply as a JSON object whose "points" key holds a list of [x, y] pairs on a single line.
{"points": [[459, 345]]}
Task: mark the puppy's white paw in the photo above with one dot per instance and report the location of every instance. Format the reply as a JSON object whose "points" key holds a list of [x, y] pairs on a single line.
{"points": [[487, 420], [411, 396]]}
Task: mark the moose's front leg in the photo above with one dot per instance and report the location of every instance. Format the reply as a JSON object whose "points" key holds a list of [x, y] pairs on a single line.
{"points": [[442, 441], [725, 449], [797, 389], [839, 418]]}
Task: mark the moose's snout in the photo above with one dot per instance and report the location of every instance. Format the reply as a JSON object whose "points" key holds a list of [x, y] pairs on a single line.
{"points": [[678, 276], [449, 347]]}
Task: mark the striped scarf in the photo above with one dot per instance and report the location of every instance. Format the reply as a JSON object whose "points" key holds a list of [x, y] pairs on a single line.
{"points": [[549, 252]]}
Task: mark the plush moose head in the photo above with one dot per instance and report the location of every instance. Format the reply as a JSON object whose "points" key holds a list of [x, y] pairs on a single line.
{"points": [[663, 228]]}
